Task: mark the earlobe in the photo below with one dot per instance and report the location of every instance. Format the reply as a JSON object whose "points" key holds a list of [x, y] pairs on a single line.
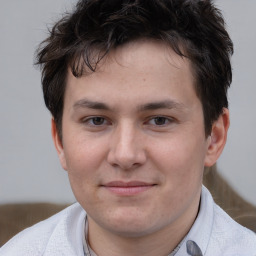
{"points": [[217, 139], [58, 145]]}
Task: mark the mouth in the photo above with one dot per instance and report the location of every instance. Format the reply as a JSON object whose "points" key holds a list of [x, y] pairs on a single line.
{"points": [[128, 188]]}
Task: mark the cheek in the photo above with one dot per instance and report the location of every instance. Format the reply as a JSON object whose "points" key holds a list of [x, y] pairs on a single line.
{"points": [[181, 160], [84, 159], [83, 152], [181, 165], [83, 163]]}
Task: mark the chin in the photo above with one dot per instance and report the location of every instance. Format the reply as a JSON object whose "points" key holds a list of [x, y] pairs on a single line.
{"points": [[132, 231]]}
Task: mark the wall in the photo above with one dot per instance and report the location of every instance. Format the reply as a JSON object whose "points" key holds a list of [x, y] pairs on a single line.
{"points": [[237, 161], [29, 168]]}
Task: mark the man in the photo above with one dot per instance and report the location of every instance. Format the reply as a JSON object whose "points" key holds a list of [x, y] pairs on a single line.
{"points": [[138, 95]]}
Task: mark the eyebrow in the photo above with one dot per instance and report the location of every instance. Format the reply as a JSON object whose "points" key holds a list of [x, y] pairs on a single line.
{"points": [[84, 103], [169, 104], [165, 104]]}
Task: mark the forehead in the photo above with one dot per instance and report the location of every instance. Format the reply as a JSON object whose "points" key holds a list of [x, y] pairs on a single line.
{"points": [[142, 63], [144, 54]]}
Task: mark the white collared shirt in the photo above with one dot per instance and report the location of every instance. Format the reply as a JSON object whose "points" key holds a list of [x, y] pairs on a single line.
{"points": [[213, 233]]}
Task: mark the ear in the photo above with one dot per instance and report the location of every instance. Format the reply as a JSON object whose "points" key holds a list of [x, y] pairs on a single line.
{"points": [[58, 145], [217, 139]]}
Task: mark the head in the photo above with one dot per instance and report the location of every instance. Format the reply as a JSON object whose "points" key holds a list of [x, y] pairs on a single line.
{"points": [[193, 29], [137, 90]]}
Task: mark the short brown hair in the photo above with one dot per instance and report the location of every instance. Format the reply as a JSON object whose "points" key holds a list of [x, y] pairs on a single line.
{"points": [[193, 28]]}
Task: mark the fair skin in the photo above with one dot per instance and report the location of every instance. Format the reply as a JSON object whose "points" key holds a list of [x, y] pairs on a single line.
{"points": [[135, 149]]}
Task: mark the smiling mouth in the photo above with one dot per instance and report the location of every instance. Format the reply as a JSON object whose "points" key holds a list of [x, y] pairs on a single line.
{"points": [[128, 188]]}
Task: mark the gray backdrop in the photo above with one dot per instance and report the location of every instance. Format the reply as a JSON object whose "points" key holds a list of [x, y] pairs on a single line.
{"points": [[29, 168]]}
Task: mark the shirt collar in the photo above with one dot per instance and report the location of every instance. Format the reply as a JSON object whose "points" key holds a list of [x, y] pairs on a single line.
{"points": [[200, 233]]}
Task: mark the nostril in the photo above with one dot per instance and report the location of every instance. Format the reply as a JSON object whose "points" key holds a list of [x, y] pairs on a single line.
{"points": [[125, 163]]}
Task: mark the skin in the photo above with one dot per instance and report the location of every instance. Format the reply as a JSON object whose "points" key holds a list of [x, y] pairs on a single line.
{"points": [[135, 149]]}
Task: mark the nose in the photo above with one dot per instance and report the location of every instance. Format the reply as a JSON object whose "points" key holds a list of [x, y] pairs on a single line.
{"points": [[127, 149]]}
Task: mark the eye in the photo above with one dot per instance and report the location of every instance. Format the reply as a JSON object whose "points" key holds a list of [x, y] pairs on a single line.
{"points": [[160, 121], [95, 121]]}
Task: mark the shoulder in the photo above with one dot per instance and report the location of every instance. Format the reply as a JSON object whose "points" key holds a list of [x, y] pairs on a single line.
{"points": [[36, 240], [230, 237]]}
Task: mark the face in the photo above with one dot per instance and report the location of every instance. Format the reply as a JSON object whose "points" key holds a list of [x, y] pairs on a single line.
{"points": [[133, 141]]}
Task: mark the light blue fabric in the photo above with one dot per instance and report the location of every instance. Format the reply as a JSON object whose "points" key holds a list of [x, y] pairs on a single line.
{"points": [[214, 233], [217, 234]]}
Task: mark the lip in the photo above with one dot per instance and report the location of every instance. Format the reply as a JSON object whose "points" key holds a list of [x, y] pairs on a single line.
{"points": [[130, 188]]}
